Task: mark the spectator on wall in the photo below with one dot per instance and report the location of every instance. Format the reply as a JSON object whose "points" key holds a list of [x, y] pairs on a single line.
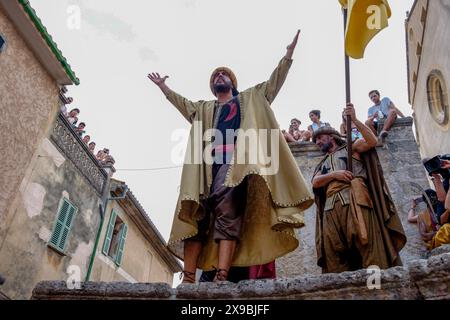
{"points": [[86, 139]]}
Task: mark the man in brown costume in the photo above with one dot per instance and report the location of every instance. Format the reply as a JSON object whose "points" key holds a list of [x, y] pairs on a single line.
{"points": [[357, 225], [236, 213]]}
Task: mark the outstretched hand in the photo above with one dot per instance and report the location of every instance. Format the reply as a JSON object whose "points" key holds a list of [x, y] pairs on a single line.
{"points": [[291, 47], [156, 78]]}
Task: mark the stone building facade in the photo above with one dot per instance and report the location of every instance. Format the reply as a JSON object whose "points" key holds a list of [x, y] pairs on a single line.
{"points": [[54, 191], [33, 70], [428, 54], [56, 214], [62, 203], [30, 80], [130, 246]]}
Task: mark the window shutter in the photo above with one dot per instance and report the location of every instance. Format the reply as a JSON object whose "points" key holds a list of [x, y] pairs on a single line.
{"points": [[109, 231], [66, 227], [63, 224], [123, 236]]}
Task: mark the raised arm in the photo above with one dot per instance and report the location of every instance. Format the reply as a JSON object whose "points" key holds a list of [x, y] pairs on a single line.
{"points": [[186, 107], [276, 81], [291, 47], [369, 140]]}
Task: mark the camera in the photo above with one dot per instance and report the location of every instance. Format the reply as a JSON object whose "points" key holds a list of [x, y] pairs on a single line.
{"points": [[434, 165]]}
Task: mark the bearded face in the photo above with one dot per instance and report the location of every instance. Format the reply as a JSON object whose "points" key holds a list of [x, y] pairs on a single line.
{"points": [[222, 83], [324, 142]]}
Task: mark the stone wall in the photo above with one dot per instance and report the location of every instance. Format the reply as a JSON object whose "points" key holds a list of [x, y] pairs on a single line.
{"points": [[25, 255], [28, 106], [403, 171], [417, 280]]}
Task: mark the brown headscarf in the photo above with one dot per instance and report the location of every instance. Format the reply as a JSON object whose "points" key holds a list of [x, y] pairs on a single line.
{"points": [[228, 72]]}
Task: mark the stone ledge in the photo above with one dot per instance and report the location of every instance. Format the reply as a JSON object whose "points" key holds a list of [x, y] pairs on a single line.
{"points": [[419, 280], [57, 290], [310, 149]]}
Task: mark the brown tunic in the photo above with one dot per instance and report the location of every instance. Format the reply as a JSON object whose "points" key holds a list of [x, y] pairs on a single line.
{"points": [[349, 234]]}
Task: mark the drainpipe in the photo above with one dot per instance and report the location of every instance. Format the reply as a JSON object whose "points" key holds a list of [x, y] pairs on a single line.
{"points": [[102, 208]]}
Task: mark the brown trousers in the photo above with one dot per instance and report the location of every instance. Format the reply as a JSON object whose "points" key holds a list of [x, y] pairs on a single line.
{"points": [[224, 209], [342, 248]]}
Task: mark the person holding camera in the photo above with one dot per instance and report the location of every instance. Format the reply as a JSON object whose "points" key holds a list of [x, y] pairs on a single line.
{"points": [[434, 223], [438, 168], [426, 220]]}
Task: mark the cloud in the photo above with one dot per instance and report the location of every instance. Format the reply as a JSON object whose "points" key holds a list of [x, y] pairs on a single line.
{"points": [[105, 23], [147, 54], [110, 24], [191, 3]]}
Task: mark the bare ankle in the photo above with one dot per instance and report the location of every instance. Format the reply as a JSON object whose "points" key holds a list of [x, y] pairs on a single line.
{"points": [[221, 275], [188, 277]]}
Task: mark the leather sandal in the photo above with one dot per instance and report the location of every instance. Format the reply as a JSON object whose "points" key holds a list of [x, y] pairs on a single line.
{"points": [[221, 275], [188, 277]]}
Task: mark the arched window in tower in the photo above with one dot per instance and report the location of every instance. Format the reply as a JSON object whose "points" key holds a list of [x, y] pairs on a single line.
{"points": [[438, 103]]}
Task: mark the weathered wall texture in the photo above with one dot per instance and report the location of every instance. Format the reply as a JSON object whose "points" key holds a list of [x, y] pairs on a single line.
{"points": [[418, 280], [25, 257], [28, 106], [141, 263], [402, 168], [434, 55]]}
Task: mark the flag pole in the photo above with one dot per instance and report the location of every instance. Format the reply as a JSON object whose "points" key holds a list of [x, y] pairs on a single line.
{"points": [[348, 99]]}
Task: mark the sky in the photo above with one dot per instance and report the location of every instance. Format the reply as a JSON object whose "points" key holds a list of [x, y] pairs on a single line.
{"points": [[114, 45]]}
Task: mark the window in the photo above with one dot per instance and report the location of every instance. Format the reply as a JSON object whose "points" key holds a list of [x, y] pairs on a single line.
{"points": [[438, 98], [411, 34], [2, 43], [115, 238], [63, 224]]}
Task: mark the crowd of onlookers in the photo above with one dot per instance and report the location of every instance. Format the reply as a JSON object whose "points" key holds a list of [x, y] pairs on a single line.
{"points": [[382, 109], [102, 155], [434, 221]]}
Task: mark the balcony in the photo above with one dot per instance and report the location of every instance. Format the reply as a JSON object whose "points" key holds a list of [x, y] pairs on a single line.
{"points": [[74, 149]]}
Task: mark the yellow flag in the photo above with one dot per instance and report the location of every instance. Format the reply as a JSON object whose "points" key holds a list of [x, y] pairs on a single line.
{"points": [[365, 19]]}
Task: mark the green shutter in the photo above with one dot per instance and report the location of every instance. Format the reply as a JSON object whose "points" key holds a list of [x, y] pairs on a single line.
{"points": [[63, 224], [109, 231], [123, 236], [66, 228]]}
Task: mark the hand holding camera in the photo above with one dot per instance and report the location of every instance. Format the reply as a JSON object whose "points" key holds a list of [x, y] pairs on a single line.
{"points": [[439, 165]]}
